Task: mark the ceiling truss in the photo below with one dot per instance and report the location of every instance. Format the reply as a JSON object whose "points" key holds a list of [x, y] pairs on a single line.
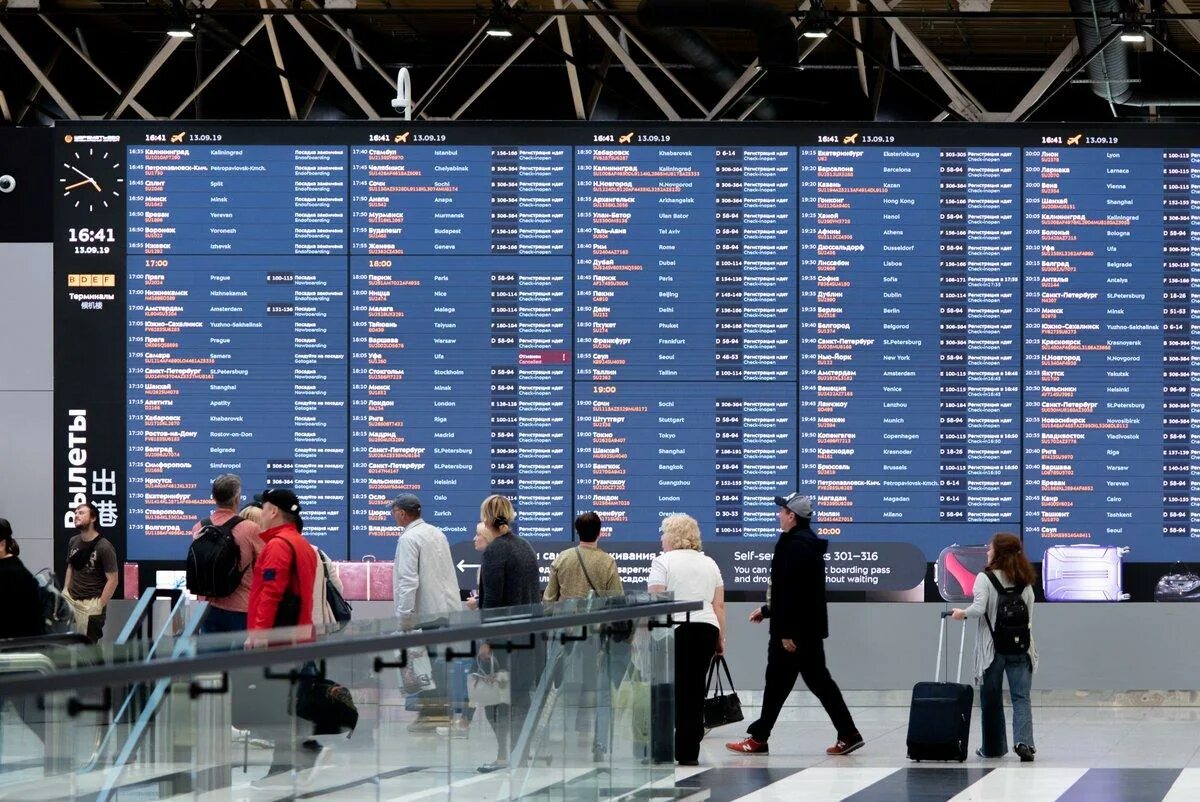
{"points": [[553, 29]]}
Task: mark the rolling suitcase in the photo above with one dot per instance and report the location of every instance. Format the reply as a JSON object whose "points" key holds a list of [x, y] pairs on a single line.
{"points": [[939, 721], [1083, 572]]}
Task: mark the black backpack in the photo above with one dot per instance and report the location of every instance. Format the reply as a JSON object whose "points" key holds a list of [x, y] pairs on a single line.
{"points": [[213, 559], [1011, 632]]}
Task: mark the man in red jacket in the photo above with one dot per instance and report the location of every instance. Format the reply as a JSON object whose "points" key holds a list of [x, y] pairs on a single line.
{"points": [[281, 593]]}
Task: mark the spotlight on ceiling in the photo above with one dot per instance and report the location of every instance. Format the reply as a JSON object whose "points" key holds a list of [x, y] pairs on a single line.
{"points": [[1133, 34]]}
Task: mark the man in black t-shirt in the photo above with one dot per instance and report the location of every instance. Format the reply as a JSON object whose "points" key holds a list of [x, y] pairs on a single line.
{"points": [[91, 577]]}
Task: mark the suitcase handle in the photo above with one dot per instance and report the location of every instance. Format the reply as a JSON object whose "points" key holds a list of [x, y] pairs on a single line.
{"points": [[937, 667]]}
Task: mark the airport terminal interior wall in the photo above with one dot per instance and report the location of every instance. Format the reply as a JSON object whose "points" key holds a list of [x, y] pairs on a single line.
{"points": [[874, 646]]}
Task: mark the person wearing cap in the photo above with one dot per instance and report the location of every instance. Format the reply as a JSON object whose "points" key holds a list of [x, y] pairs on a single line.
{"points": [[20, 597], [281, 589], [424, 585], [799, 625]]}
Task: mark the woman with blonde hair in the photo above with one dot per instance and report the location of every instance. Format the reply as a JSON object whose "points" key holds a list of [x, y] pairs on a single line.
{"points": [[1004, 648], [508, 577], [684, 570]]}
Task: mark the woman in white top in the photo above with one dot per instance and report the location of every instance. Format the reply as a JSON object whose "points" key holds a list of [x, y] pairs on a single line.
{"points": [[1010, 567], [683, 570]]}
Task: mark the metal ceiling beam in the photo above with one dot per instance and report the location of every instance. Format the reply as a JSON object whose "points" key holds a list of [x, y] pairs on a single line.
{"points": [[630, 65], [323, 55], [5, 111], [277, 54], [208, 79], [598, 85], [1045, 82], [744, 80], [737, 90], [564, 35], [35, 90], [457, 63], [358, 51], [860, 60], [1190, 25], [508, 62], [83, 55], [151, 69], [962, 101], [632, 37], [42, 78], [452, 69], [311, 103]]}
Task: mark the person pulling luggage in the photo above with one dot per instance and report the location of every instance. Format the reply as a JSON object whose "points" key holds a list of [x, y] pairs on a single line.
{"points": [[1004, 646]]}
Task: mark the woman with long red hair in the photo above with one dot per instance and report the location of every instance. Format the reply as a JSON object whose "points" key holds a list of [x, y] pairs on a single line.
{"points": [[1004, 645]]}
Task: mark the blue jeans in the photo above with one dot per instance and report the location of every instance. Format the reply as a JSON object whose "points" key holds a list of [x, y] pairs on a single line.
{"points": [[991, 703], [218, 620]]}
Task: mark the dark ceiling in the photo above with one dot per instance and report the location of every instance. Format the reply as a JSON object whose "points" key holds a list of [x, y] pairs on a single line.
{"points": [[998, 55]]}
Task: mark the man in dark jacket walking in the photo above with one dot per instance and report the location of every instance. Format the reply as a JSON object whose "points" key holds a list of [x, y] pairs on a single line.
{"points": [[799, 625]]}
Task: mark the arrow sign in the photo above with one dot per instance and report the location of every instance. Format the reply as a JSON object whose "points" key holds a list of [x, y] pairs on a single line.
{"points": [[463, 565]]}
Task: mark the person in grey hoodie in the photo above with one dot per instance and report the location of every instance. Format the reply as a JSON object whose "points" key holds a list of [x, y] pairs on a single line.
{"points": [[424, 585]]}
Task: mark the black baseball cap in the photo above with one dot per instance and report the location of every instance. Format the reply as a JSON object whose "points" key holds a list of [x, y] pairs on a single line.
{"points": [[281, 497]]}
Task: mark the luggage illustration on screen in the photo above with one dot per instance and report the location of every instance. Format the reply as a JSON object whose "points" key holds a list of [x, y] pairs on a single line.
{"points": [[956, 569], [1180, 584], [1083, 572]]}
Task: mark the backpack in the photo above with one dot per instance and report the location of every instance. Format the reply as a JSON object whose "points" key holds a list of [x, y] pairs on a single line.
{"points": [[212, 560], [1011, 632]]}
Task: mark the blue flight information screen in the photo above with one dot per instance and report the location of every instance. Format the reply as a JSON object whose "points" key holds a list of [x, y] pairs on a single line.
{"points": [[939, 333]]}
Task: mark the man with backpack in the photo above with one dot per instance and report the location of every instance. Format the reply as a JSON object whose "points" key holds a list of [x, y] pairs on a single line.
{"points": [[220, 562]]}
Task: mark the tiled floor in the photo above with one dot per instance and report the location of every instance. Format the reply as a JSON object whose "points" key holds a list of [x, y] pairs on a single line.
{"points": [[1084, 755]]}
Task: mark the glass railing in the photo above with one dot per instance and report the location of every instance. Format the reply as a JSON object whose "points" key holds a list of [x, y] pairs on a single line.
{"points": [[558, 701]]}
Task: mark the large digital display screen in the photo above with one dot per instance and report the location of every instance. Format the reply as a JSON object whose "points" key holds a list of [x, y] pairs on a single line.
{"points": [[939, 332]]}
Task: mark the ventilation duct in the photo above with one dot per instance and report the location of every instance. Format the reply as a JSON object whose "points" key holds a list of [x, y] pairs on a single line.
{"points": [[771, 27], [673, 23], [1110, 71]]}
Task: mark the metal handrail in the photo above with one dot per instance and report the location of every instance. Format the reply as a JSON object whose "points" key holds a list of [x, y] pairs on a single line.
{"points": [[40, 641], [142, 725], [184, 664], [142, 612]]}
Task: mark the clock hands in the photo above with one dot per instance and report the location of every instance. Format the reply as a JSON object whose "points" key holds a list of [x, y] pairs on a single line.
{"points": [[87, 179]]}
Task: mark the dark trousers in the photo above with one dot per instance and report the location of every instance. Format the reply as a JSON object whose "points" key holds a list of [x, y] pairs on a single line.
{"points": [[695, 645], [807, 662], [218, 620]]}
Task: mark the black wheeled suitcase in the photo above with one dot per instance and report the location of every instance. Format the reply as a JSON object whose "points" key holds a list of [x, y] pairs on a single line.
{"points": [[939, 721]]}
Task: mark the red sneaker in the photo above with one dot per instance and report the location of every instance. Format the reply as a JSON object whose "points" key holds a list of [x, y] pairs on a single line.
{"points": [[748, 746], [846, 747]]}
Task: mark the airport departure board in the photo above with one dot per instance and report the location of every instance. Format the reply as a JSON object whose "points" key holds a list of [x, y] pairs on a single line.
{"points": [[939, 332]]}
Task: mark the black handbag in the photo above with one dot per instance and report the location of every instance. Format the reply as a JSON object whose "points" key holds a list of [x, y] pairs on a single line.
{"points": [[342, 610], [327, 704], [720, 706]]}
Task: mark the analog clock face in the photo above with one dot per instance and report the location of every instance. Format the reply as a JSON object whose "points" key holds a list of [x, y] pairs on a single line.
{"points": [[90, 177]]}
